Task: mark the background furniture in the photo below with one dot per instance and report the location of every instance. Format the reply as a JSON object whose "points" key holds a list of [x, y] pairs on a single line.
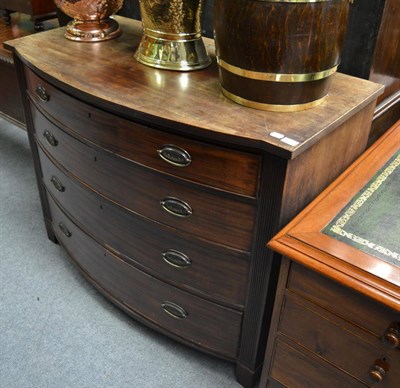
{"points": [[372, 51], [163, 191], [39, 10], [10, 100], [336, 321]]}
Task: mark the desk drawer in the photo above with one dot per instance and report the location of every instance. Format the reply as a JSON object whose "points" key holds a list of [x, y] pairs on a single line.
{"points": [[295, 368], [214, 166], [202, 323], [212, 215], [337, 341], [190, 263], [344, 302]]}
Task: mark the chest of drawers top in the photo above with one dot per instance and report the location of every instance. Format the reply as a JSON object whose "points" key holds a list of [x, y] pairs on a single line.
{"points": [[107, 76]]}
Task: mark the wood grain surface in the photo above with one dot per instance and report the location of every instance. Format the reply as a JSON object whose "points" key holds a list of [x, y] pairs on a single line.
{"points": [[112, 79]]}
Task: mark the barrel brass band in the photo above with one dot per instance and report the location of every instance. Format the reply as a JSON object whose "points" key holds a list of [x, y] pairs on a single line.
{"points": [[276, 77], [272, 107], [299, 1]]}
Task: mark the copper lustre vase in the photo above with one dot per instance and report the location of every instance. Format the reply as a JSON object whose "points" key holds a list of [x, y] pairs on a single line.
{"points": [[91, 19], [172, 35], [279, 55]]}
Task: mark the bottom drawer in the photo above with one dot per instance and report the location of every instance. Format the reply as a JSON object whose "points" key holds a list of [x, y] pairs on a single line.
{"points": [[207, 325], [296, 369], [337, 341]]}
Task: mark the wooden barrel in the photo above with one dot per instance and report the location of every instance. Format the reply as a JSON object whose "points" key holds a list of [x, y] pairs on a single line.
{"points": [[279, 55]]}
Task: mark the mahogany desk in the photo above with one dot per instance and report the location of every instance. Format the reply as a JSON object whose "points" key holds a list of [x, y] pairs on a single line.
{"points": [[336, 321]]}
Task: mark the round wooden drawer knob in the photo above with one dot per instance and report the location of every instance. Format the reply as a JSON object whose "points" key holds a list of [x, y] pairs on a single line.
{"points": [[392, 340], [391, 337], [377, 374]]}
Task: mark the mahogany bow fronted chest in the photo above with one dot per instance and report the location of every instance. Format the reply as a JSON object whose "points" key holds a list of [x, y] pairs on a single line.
{"points": [[164, 192]]}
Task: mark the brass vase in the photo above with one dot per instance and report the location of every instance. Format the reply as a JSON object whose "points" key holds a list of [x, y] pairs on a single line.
{"points": [[172, 35], [91, 19]]}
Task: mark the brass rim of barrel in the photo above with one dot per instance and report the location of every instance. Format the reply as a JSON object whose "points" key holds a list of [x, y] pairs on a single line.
{"points": [[303, 1], [272, 107], [276, 77]]}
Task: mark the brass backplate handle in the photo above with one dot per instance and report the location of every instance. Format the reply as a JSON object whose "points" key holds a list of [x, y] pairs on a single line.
{"points": [[175, 155], [57, 184], [50, 138], [41, 93], [64, 229], [176, 259], [176, 207], [174, 310]]}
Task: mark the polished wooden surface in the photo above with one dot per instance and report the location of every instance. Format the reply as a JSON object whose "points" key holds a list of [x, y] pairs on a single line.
{"points": [[371, 315], [303, 241], [186, 107], [113, 226], [217, 218], [225, 168], [207, 325], [278, 38], [192, 99], [336, 318]]}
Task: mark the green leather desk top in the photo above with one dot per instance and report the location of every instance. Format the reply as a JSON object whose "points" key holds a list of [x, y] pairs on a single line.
{"points": [[370, 222]]}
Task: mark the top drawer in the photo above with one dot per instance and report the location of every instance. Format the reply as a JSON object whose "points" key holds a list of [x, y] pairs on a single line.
{"points": [[220, 167], [342, 301]]}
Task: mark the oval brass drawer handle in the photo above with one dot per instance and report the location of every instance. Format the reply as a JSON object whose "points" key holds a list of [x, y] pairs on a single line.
{"points": [[176, 207], [176, 259], [64, 229], [175, 155], [50, 138], [41, 93], [57, 184], [174, 310]]}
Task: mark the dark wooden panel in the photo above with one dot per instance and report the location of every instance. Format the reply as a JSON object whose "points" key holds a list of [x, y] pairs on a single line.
{"points": [[340, 300], [224, 168], [295, 368], [331, 338], [217, 218], [143, 242], [386, 62], [30, 7], [10, 100], [207, 325], [364, 21]]}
